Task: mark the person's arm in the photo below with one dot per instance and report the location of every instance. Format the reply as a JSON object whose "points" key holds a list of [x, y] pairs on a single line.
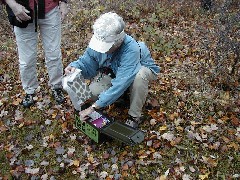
{"points": [[129, 66], [19, 11], [87, 63], [126, 72]]}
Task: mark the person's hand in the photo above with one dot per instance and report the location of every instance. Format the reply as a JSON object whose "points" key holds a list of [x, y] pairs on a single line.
{"points": [[19, 11], [63, 9], [69, 69], [84, 113]]}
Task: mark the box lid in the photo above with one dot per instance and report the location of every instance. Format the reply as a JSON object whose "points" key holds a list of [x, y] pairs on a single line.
{"points": [[123, 133]]}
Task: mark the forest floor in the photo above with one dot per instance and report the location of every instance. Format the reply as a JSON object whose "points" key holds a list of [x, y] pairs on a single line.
{"points": [[192, 121]]}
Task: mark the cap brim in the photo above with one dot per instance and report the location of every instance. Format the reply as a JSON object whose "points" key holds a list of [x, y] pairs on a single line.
{"points": [[99, 46]]}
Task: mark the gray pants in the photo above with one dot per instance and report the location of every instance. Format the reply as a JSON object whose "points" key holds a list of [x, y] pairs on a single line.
{"points": [[138, 89], [27, 42]]}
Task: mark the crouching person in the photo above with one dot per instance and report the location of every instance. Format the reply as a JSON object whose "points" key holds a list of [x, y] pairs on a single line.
{"points": [[123, 64]]}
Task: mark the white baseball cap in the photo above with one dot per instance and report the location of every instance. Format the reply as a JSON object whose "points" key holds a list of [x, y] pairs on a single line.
{"points": [[107, 29]]}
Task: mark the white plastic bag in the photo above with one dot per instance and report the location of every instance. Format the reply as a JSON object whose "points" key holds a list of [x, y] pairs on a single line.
{"points": [[76, 88]]}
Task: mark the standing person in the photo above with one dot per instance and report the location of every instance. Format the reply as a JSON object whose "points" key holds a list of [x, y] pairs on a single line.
{"points": [[28, 18], [122, 62]]}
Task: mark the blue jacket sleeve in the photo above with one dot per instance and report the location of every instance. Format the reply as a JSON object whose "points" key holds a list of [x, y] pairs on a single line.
{"points": [[87, 63]]}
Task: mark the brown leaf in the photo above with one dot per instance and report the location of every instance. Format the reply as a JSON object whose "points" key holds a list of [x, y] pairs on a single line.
{"points": [[76, 163], [125, 167], [156, 144], [55, 145], [162, 128], [141, 152], [154, 103], [20, 168], [234, 146], [124, 153], [152, 150], [225, 139], [105, 155], [3, 128], [225, 118], [133, 170], [64, 125], [173, 116], [89, 148], [234, 120], [124, 174], [153, 137], [160, 117], [176, 141], [9, 155], [91, 159], [214, 146], [17, 101], [144, 155], [224, 148]]}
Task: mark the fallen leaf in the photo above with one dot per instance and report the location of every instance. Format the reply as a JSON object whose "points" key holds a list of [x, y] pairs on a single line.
{"points": [[176, 141], [162, 128], [17, 101], [103, 174], [125, 167], [21, 125], [156, 144], [3, 128], [168, 59], [233, 145], [31, 171], [168, 136], [153, 122], [106, 155], [76, 163], [235, 121], [204, 176]]}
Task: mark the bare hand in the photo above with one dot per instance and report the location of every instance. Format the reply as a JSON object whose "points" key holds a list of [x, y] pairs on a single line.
{"points": [[19, 11], [63, 9], [69, 69], [84, 113]]}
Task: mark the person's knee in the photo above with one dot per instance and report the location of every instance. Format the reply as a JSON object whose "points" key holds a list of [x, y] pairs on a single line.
{"points": [[95, 89], [140, 81]]}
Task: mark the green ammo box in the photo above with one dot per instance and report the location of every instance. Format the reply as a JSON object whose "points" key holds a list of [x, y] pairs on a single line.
{"points": [[99, 127]]}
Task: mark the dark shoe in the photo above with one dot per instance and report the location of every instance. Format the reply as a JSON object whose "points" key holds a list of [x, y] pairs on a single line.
{"points": [[28, 100], [58, 95], [134, 121]]}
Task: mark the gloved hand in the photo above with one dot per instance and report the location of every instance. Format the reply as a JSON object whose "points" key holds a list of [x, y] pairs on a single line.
{"points": [[63, 9], [84, 113], [19, 11]]}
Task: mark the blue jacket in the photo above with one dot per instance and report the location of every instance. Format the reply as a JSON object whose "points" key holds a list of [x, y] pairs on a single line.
{"points": [[125, 63]]}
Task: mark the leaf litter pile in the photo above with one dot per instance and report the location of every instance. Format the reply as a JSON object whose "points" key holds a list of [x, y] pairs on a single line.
{"points": [[192, 124]]}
